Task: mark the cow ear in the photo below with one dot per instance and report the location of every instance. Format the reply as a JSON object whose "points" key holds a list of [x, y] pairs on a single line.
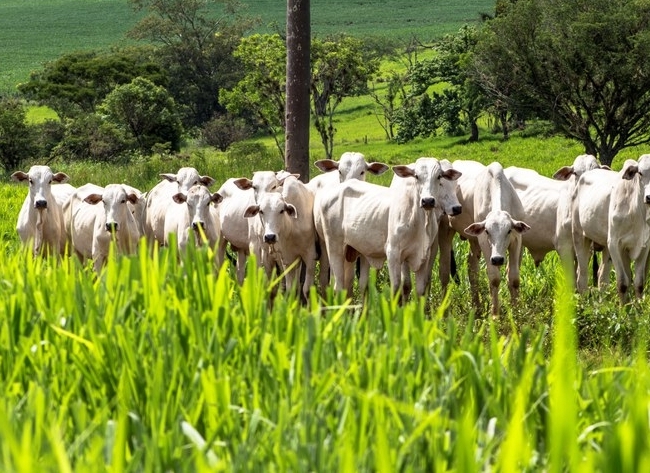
{"points": [[630, 170], [243, 183], [93, 199], [251, 211], [179, 198], [291, 210], [132, 197], [520, 226], [605, 167], [207, 181], [19, 176], [403, 171], [60, 177], [377, 168], [452, 174], [216, 198], [169, 177], [564, 173], [475, 229], [327, 165], [282, 177]]}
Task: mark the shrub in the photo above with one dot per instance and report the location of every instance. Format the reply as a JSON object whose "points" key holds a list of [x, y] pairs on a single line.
{"points": [[224, 130], [16, 140]]}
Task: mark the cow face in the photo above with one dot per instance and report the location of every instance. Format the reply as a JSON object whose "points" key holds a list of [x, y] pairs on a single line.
{"points": [[498, 228], [198, 201], [116, 209], [262, 182], [188, 177], [276, 216], [40, 179], [640, 169], [430, 182]]}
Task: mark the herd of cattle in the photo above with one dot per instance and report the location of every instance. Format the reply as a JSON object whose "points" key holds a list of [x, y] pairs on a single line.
{"points": [[338, 218]]}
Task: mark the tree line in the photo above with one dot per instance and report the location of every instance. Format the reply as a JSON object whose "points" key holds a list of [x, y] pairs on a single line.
{"points": [[578, 67]]}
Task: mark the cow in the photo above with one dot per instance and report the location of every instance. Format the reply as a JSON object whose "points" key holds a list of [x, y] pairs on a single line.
{"points": [[40, 220], [396, 223], [352, 165], [628, 233], [92, 226], [499, 228], [264, 181], [284, 227], [589, 223], [193, 218], [159, 199]]}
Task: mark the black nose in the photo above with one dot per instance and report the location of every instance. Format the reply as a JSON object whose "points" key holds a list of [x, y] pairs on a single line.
{"points": [[497, 260], [40, 204], [427, 202], [111, 227], [456, 209], [647, 199], [270, 238], [197, 225]]}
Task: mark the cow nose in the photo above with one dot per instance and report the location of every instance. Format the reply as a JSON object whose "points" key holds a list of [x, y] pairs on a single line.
{"points": [[647, 199], [456, 209], [270, 238], [111, 227], [497, 260], [197, 225], [40, 204], [427, 202]]}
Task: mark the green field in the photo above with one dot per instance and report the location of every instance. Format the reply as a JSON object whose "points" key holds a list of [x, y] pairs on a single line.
{"points": [[33, 32]]}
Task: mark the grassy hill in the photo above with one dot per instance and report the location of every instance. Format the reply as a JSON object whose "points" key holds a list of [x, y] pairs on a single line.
{"points": [[36, 31]]}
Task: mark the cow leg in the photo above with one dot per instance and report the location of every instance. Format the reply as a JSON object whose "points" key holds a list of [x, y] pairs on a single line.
{"points": [[640, 272], [604, 270], [445, 239], [583, 252], [394, 269], [473, 269], [336, 259], [364, 273], [515, 251], [324, 270], [309, 262], [241, 266]]}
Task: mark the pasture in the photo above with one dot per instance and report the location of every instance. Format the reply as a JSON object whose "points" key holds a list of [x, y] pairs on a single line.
{"points": [[155, 365], [37, 31]]}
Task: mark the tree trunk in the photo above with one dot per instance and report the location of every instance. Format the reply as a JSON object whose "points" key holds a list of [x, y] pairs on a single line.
{"points": [[296, 157], [473, 137]]}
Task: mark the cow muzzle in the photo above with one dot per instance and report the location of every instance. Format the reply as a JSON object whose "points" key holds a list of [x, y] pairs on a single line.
{"points": [[456, 210], [196, 226], [40, 204], [111, 227], [647, 199], [270, 238], [427, 203], [497, 260]]}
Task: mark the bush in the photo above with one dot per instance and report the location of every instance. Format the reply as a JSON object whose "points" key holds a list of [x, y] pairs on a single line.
{"points": [[16, 139], [47, 135], [224, 130]]}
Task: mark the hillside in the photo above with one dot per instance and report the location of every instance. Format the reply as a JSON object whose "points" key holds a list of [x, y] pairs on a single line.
{"points": [[36, 31]]}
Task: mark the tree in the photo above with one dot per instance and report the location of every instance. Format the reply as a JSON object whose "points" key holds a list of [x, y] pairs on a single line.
{"points": [[581, 64], [147, 112], [196, 38], [77, 82], [340, 68], [297, 93], [15, 136], [261, 91]]}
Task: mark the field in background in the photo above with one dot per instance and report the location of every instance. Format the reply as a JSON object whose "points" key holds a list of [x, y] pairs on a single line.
{"points": [[33, 32]]}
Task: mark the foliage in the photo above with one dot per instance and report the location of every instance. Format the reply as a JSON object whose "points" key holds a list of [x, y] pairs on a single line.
{"points": [[16, 143], [581, 64], [77, 82], [340, 68], [146, 112], [223, 131], [90, 137], [196, 45]]}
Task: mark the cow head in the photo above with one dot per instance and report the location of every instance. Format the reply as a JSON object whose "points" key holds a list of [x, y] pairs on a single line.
{"points": [[582, 164], [499, 228], [188, 177], [351, 166], [263, 182], [275, 214], [40, 179], [432, 183], [640, 169], [115, 199], [198, 200]]}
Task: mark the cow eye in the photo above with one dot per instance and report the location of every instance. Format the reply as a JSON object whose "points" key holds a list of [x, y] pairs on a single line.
{"points": [[282, 211], [196, 182], [123, 201]]}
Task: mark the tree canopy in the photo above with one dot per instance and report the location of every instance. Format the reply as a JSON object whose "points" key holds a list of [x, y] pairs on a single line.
{"points": [[582, 64]]}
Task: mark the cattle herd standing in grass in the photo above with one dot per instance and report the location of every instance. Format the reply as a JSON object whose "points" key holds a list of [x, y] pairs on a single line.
{"points": [[338, 219]]}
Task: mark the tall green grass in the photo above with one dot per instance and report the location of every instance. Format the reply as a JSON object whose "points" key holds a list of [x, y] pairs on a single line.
{"points": [[160, 366]]}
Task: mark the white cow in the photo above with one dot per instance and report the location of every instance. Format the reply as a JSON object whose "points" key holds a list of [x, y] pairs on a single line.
{"points": [[352, 165], [191, 216], [397, 223], [590, 215], [40, 220], [92, 227], [628, 233], [159, 199], [284, 227], [498, 227]]}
